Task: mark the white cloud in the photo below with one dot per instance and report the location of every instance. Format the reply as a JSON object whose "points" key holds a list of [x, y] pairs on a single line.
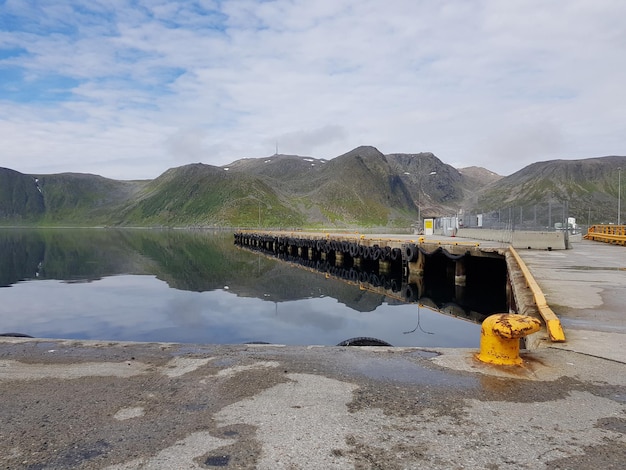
{"points": [[306, 142], [129, 89]]}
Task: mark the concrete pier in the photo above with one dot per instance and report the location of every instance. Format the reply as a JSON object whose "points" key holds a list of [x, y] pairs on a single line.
{"points": [[104, 405], [390, 265]]}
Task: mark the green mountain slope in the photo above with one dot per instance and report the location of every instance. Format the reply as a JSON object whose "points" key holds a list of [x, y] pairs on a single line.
{"points": [[76, 198], [361, 188], [294, 174], [207, 195], [583, 184], [20, 198], [357, 188]]}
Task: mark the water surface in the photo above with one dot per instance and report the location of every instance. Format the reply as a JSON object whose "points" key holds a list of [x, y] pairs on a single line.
{"points": [[193, 287]]}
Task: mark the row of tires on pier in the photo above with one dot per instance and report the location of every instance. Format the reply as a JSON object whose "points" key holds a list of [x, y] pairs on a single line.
{"points": [[374, 279], [378, 267], [289, 245]]}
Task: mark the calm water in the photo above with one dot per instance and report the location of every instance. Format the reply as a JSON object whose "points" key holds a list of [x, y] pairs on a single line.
{"points": [[193, 287]]}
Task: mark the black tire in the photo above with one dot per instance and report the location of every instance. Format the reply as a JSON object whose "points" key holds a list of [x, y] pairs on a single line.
{"points": [[410, 252], [354, 250], [411, 293], [364, 341]]}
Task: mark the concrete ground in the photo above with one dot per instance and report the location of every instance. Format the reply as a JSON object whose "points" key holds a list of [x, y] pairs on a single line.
{"points": [[586, 288], [91, 405]]}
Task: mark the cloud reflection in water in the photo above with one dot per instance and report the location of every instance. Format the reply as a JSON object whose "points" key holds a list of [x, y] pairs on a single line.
{"points": [[143, 308]]}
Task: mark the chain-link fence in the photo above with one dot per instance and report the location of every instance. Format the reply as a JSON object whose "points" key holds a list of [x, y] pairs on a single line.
{"points": [[544, 217], [549, 216]]}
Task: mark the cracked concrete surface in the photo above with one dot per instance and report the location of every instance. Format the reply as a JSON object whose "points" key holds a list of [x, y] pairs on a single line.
{"points": [[290, 407]]}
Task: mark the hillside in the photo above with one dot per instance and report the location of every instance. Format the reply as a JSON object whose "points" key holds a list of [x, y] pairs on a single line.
{"points": [[361, 188], [478, 177], [293, 173], [201, 194], [20, 198], [76, 197], [434, 185], [356, 189], [585, 185], [475, 180]]}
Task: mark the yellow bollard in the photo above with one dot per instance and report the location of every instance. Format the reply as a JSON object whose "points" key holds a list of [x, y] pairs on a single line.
{"points": [[500, 335]]}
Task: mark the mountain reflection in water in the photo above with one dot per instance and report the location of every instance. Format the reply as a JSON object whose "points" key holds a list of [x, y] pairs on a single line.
{"points": [[192, 287]]}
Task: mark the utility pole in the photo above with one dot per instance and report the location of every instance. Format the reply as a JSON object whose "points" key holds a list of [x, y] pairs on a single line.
{"points": [[619, 196], [420, 181]]}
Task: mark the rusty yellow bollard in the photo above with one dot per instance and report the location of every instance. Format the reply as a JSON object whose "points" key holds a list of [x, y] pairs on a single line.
{"points": [[500, 335]]}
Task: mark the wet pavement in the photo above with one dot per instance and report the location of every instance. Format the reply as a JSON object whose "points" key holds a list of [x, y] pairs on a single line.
{"points": [[586, 288], [103, 405]]}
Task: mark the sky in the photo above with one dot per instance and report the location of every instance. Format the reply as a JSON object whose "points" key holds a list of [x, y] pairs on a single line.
{"points": [[129, 88]]}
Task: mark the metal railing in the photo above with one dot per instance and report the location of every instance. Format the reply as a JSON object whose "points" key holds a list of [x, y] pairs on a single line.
{"points": [[614, 234]]}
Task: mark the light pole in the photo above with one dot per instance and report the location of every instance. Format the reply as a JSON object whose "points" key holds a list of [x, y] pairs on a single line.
{"points": [[419, 191], [419, 210], [619, 195]]}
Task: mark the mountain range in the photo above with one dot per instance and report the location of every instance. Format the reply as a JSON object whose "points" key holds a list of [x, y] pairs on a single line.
{"points": [[361, 188]]}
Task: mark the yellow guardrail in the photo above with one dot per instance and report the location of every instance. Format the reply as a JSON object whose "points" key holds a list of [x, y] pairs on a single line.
{"points": [[553, 324], [614, 234]]}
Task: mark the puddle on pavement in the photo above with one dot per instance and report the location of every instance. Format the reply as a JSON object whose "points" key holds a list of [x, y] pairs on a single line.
{"points": [[403, 370]]}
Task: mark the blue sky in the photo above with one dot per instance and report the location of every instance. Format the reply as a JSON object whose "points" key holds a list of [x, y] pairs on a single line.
{"points": [[128, 89]]}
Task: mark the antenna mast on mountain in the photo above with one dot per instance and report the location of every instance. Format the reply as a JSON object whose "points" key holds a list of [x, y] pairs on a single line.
{"points": [[276, 149]]}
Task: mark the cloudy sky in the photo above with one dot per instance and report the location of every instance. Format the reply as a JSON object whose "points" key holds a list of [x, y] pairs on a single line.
{"points": [[129, 88]]}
